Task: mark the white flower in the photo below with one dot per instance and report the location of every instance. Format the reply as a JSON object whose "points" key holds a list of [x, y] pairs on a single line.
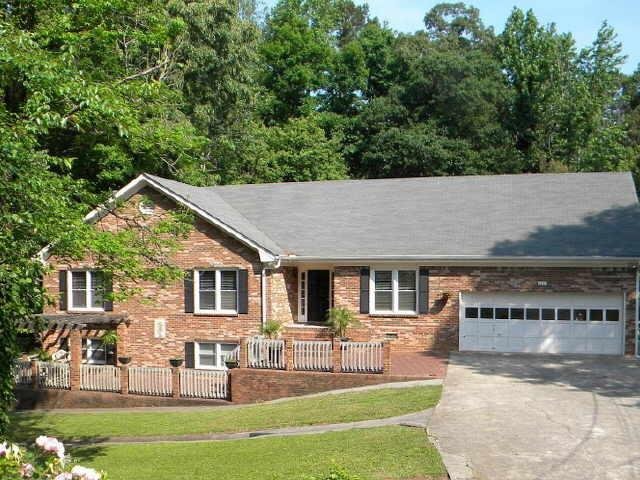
{"points": [[3, 449], [83, 473], [41, 440], [51, 445], [64, 476], [26, 471]]}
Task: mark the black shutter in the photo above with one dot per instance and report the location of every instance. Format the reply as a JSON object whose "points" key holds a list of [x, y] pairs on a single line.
{"points": [[62, 287], [189, 355], [243, 291], [364, 290], [423, 292], [188, 291], [108, 290]]}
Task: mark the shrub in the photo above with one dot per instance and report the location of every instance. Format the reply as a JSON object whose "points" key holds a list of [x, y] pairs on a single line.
{"points": [[271, 329], [339, 320], [46, 461]]}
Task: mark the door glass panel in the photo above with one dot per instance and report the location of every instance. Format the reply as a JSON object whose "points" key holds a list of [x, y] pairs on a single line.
{"points": [[613, 315], [548, 314], [517, 313], [486, 312], [564, 314], [502, 313], [580, 314], [533, 313], [471, 312], [596, 315]]}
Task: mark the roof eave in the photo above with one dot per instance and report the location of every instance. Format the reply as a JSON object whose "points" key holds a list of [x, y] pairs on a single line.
{"points": [[469, 260]]}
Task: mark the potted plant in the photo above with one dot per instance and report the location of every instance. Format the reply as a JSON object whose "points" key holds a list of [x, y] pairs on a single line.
{"points": [[339, 320], [110, 337], [271, 329], [124, 360], [176, 362], [231, 363]]}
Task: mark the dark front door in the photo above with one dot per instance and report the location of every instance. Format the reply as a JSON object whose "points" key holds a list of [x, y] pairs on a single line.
{"points": [[317, 295]]}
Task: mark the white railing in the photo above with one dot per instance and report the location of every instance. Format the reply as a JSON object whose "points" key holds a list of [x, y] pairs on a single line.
{"points": [[53, 375], [203, 383], [150, 381], [22, 372], [312, 355], [265, 353], [100, 378], [362, 357]]}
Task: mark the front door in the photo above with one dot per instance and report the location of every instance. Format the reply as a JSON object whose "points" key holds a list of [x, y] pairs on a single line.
{"points": [[318, 291]]}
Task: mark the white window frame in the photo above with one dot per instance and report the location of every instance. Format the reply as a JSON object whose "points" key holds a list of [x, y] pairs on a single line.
{"points": [[196, 292], [90, 349], [220, 364], [394, 291], [89, 293]]}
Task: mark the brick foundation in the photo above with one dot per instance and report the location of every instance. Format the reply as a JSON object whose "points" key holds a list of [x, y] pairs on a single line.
{"points": [[254, 385]]}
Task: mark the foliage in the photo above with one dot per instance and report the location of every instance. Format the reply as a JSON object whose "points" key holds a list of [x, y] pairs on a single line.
{"points": [[110, 337], [337, 473], [339, 320], [271, 329], [47, 460]]}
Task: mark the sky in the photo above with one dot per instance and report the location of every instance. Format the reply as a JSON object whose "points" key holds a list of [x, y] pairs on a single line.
{"points": [[580, 17]]}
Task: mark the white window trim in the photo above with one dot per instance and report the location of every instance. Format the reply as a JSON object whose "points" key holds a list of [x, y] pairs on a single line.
{"points": [[90, 350], [394, 292], [89, 295], [196, 292], [218, 354]]}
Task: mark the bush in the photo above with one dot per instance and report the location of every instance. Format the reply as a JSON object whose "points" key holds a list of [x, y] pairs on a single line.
{"points": [[339, 320], [271, 329], [46, 461]]}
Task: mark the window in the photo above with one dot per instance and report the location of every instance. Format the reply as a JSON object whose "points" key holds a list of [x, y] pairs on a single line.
{"points": [[471, 312], [394, 291], [86, 290], [95, 352], [613, 315], [216, 291], [532, 313], [213, 355], [548, 314], [517, 313]]}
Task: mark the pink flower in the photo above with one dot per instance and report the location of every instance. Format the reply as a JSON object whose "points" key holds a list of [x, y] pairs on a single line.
{"points": [[64, 476], [51, 445], [83, 473], [26, 471], [3, 449]]}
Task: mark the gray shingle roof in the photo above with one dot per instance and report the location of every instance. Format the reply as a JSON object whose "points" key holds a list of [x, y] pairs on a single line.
{"points": [[542, 215]]}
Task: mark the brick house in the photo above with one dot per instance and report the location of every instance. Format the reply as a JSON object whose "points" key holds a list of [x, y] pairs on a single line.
{"points": [[513, 263]]}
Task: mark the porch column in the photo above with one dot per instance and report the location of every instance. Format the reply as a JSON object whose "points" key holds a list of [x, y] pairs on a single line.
{"points": [[121, 331], [175, 382], [34, 374], [288, 357], [386, 368], [75, 350], [244, 354], [124, 379], [337, 355]]}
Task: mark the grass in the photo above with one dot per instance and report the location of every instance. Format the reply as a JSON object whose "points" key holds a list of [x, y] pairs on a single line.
{"points": [[338, 408], [378, 453]]}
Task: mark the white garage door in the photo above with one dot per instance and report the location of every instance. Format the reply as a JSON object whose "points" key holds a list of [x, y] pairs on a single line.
{"points": [[542, 323]]}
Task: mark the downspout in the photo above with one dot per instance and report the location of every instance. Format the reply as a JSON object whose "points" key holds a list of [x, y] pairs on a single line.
{"points": [[263, 296], [637, 319]]}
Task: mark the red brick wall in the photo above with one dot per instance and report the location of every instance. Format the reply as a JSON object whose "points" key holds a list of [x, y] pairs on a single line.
{"points": [[254, 385], [206, 246], [439, 328]]}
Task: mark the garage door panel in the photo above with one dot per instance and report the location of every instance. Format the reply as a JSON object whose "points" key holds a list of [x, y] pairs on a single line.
{"points": [[558, 323]]}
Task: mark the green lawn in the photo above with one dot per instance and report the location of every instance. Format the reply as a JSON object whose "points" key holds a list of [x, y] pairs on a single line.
{"points": [[326, 409], [379, 453]]}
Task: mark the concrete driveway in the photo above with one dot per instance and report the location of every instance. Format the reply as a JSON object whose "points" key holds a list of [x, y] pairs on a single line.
{"points": [[524, 417]]}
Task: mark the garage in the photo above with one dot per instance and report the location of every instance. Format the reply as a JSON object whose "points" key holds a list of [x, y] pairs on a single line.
{"points": [[542, 323]]}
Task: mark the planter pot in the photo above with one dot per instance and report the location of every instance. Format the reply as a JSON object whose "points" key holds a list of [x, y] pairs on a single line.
{"points": [[345, 339], [124, 360], [176, 362], [231, 365]]}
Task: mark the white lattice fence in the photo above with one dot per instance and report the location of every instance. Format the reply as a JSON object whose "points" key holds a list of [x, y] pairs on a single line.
{"points": [[203, 383], [100, 378], [312, 355], [150, 381], [53, 375], [362, 357], [22, 372], [265, 353]]}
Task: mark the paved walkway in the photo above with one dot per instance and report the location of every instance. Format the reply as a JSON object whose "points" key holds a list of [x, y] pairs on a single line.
{"points": [[417, 420], [531, 417]]}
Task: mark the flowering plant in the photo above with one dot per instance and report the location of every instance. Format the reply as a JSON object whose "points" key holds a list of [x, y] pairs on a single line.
{"points": [[47, 461]]}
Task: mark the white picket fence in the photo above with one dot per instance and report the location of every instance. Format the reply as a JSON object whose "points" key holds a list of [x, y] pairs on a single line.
{"points": [[313, 355], [150, 381], [100, 378], [362, 357], [265, 353], [204, 383], [22, 372], [53, 375]]}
